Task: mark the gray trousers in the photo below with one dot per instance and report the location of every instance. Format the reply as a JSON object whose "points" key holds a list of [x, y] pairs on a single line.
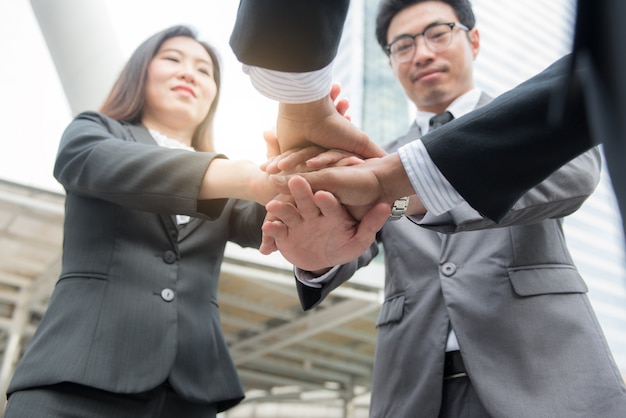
{"points": [[69, 400], [459, 400]]}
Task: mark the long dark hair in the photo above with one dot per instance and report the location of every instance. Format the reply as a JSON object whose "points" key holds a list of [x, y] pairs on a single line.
{"points": [[126, 99]]}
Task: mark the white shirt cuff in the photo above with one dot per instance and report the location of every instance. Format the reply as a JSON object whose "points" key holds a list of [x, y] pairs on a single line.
{"points": [[291, 87], [308, 279], [433, 189]]}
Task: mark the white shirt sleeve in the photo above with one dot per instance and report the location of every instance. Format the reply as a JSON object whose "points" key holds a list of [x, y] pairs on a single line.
{"points": [[308, 279], [433, 189], [291, 87]]}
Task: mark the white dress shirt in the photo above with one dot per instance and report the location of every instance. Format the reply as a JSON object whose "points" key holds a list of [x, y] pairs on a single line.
{"points": [[167, 142]]}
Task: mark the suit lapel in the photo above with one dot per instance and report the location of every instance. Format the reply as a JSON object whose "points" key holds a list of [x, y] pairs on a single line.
{"points": [[139, 133], [185, 230], [414, 133]]}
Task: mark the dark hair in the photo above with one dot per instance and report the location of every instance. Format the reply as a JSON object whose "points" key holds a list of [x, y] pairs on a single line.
{"points": [[126, 99], [387, 9]]}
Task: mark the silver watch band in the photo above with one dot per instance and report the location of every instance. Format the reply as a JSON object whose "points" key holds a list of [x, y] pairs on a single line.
{"points": [[399, 208]]}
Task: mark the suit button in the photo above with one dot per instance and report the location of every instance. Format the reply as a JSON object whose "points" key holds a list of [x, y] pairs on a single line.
{"points": [[167, 295], [169, 256], [448, 269]]}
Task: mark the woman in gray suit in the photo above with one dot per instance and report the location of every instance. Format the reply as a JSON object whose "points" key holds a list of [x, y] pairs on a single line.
{"points": [[132, 329]]}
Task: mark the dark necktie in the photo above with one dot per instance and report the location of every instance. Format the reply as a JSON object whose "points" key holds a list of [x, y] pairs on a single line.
{"points": [[440, 119]]}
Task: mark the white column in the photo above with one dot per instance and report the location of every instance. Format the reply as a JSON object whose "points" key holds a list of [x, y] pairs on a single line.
{"points": [[83, 46]]}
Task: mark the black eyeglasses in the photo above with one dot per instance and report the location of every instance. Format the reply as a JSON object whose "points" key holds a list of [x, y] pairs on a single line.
{"points": [[437, 38]]}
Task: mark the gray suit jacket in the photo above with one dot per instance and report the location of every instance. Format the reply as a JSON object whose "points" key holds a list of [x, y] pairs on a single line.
{"points": [[136, 302], [528, 335]]}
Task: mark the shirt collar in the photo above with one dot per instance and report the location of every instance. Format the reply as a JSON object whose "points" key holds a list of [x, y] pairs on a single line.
{"points": [[168, 142], [459, 107]]}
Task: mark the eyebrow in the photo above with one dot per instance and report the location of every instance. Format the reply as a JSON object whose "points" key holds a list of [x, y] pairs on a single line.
{"points": [[430, 25], [198, 58]]}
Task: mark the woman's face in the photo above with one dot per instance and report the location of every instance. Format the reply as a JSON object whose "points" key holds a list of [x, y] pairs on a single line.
{"points": [[180, 87]]}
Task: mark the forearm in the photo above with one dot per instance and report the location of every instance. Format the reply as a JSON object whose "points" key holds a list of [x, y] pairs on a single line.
{"points": [[504, 135], [236, 179], [394, 180], [319, 123], [297, 120]]}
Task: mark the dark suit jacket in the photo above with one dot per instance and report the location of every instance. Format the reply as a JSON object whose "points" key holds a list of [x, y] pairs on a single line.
{"points": [[293, 36], [136, 302], [576, 103], [548, 120]]}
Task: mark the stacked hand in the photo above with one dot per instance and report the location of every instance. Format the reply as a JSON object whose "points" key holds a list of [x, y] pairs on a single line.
{"points": [[316, 231], [333, 201], [322, 123]]}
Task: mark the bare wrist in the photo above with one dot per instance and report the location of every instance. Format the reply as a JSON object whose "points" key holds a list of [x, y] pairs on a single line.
{"points": [[306, 112], [393, 179]]}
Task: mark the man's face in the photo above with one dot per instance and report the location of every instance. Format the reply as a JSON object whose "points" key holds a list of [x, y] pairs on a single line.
{"points": [[432, 80]]}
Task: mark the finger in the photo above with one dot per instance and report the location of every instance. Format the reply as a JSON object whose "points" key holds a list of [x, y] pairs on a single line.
{"points": [[283, 212], [342, 106], [275, 230], [335, 91], [271, 166], [348, 161], [333, 157], [324, 160], [303, 196], [272, 231], [369, 226], [267, 248], [271, 141], [268, 245], [328, 204], [291, 161], [373, 220]]}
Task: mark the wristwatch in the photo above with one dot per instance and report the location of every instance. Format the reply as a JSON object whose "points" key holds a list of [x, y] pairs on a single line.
{"points": [[399, 208]]}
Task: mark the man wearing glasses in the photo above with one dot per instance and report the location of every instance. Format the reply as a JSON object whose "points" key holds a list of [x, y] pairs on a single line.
{"points": [[479, 320]]}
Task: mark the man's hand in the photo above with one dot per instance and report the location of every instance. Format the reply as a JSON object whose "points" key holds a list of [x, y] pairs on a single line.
{"points": [[360, 186], [311, 157], [321, 123], [316, 232]]}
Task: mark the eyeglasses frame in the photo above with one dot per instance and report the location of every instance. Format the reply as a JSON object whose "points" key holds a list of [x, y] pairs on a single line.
{"points": [[451, 25]]}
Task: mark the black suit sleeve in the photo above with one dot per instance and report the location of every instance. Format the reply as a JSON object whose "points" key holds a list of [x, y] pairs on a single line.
{"points": [[288, 35], [494, 154], [310, 297]]}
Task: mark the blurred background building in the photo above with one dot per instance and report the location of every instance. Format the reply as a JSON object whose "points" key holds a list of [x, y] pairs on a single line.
{"points": [[293, 364]]}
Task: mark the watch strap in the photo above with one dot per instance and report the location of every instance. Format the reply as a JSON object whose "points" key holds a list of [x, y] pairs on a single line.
{"points": [[399, 208]]}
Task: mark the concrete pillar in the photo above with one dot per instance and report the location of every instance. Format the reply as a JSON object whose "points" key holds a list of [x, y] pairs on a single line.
{"points": [[349, 408], [83, 46]]}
